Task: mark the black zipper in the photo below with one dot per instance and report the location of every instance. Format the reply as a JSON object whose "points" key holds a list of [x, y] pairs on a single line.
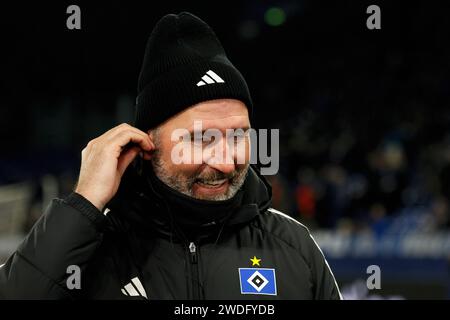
{"points": [[193, 258]]}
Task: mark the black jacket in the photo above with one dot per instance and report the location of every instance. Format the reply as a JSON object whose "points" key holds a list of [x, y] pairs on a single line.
{"points": [[135, 252]]}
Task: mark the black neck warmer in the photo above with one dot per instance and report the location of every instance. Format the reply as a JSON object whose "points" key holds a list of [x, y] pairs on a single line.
{"points": [[189, 214]]}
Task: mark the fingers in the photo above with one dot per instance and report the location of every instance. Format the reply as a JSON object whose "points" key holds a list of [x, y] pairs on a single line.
{"points": [[105, 159], [126, 133], [126, 158], [122, 138], [116, 139], [124, 127], [121, 127]]}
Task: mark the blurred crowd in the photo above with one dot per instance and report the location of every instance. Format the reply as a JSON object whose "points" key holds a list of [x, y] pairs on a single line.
{"points": [[394, 182]]}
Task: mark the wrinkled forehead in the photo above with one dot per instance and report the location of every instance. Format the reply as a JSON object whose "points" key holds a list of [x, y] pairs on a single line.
{"points": [[219, 114]]}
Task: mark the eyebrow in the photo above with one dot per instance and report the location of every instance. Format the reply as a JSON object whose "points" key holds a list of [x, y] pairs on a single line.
{"points": [[244, 128]]}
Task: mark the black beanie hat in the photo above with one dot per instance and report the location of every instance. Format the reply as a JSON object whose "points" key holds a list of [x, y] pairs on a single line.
{"points": [[184, 64]]}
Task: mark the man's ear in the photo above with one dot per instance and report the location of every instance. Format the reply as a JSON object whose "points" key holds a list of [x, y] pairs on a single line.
{"points": [[153, 134]]}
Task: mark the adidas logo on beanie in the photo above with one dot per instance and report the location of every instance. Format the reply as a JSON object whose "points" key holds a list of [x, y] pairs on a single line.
{"points": [[184, 64]]}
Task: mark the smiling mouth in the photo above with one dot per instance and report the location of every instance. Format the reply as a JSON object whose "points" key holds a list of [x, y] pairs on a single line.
{"points": [[212, 184]]}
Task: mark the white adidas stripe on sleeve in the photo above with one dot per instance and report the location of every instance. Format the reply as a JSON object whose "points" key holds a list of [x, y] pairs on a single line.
{"points": [[139, 286], [131, 290]]}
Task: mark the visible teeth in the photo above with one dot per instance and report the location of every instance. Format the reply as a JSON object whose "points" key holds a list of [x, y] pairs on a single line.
{"points": [[214, 183]]}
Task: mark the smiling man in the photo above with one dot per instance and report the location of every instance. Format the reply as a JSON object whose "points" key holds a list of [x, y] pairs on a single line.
{"points": [[141, 225], [204, 174]]}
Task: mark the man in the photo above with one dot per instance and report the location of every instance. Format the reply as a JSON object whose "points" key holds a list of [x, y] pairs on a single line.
{"points": [[140, 226]]}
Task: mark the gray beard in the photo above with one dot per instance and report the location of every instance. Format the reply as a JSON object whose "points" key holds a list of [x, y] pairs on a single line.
{"points": [[184, 184]]}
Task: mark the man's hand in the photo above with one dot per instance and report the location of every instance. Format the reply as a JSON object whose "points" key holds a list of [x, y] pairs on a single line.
{"points": [[104, 160]]}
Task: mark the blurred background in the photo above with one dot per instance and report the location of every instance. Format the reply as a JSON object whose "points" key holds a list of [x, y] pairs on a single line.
{"points": [[364, 119]]}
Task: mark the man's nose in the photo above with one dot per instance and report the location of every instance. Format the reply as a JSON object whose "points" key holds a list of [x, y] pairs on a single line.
{"points": [[222, 158], [223, 167]]}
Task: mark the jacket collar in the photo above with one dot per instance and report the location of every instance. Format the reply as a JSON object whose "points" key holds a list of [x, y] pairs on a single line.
{"points": [[137, 206]]}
